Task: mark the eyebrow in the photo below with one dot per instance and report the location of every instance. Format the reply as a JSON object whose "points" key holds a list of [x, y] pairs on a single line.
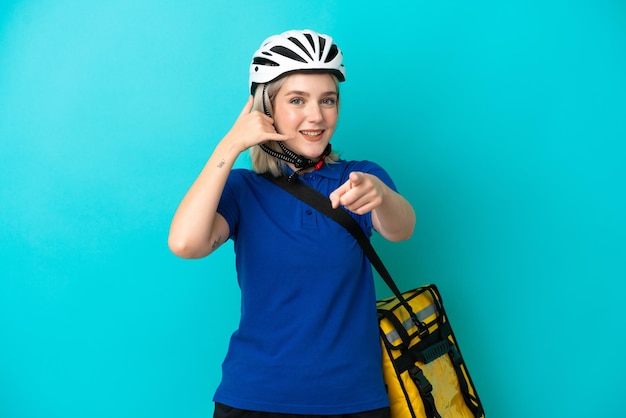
{"points": [[304, 93]]}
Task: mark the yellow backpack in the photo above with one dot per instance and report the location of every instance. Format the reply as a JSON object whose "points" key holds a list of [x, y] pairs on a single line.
{"points": [[423, 368]]}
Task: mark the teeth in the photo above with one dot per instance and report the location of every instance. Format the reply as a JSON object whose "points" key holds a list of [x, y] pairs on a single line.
{"points": [[311, 133]]}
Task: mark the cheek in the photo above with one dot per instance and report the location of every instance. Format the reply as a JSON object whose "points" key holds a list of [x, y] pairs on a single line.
{"points": [[331, 117], [287, 119]]}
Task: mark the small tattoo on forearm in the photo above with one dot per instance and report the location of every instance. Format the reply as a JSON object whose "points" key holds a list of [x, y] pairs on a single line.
{"points": [[221, 164]]}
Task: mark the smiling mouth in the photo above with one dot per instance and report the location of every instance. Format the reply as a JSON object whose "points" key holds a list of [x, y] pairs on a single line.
{"points": [[312, 134]]}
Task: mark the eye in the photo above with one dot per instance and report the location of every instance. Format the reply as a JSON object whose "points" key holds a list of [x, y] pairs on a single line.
{"points": [[296, 101], [329, 101]]}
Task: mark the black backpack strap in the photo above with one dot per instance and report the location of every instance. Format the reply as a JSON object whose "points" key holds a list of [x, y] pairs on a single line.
{"points": [[425, 390]]}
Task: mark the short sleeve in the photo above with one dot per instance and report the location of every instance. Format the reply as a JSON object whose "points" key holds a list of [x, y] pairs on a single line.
{"points": [[228, 206]]}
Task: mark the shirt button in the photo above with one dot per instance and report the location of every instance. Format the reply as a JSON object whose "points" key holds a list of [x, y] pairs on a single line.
{"points": [[309, 212]]}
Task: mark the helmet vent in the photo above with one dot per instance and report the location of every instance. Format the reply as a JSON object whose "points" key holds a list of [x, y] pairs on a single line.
{"points": [[264, 61], [322, 45], [332, 53], [286, 52], [310, 39], [297, 42]]}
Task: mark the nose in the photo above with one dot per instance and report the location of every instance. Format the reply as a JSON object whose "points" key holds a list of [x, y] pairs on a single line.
{"points": [[314, 112]]}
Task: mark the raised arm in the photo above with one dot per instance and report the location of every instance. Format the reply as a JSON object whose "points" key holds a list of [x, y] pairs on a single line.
{"points": [[197, 229], [392, 215]]}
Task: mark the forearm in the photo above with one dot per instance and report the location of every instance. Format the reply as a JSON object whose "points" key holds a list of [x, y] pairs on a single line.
{"points": [[394, 218], [191, 232]]}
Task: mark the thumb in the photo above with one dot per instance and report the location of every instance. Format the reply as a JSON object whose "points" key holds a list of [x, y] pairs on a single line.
{"points": [[335, 196]]}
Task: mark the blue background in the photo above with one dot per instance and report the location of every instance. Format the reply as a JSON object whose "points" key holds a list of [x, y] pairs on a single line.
{"points": [[502, 122]]}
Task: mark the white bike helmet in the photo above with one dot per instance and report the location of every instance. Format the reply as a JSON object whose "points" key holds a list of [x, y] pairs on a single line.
{"points": [[295, 51]]}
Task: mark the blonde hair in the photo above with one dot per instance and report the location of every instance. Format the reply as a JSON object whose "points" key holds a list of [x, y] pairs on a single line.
{"points": [[262, 162]]}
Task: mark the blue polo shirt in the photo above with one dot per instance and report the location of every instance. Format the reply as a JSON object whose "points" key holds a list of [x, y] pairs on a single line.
{"points": [[308, 340]]}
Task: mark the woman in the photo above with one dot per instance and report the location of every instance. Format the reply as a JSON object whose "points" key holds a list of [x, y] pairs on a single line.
{"points": [[308, 342]]}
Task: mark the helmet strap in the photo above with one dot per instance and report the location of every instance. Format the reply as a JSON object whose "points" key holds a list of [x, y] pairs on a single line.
{"points": [[300, 162], [265, 110]]}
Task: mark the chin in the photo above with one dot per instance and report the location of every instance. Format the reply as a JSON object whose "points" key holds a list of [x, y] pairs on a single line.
{"points": [[313, 152]]}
